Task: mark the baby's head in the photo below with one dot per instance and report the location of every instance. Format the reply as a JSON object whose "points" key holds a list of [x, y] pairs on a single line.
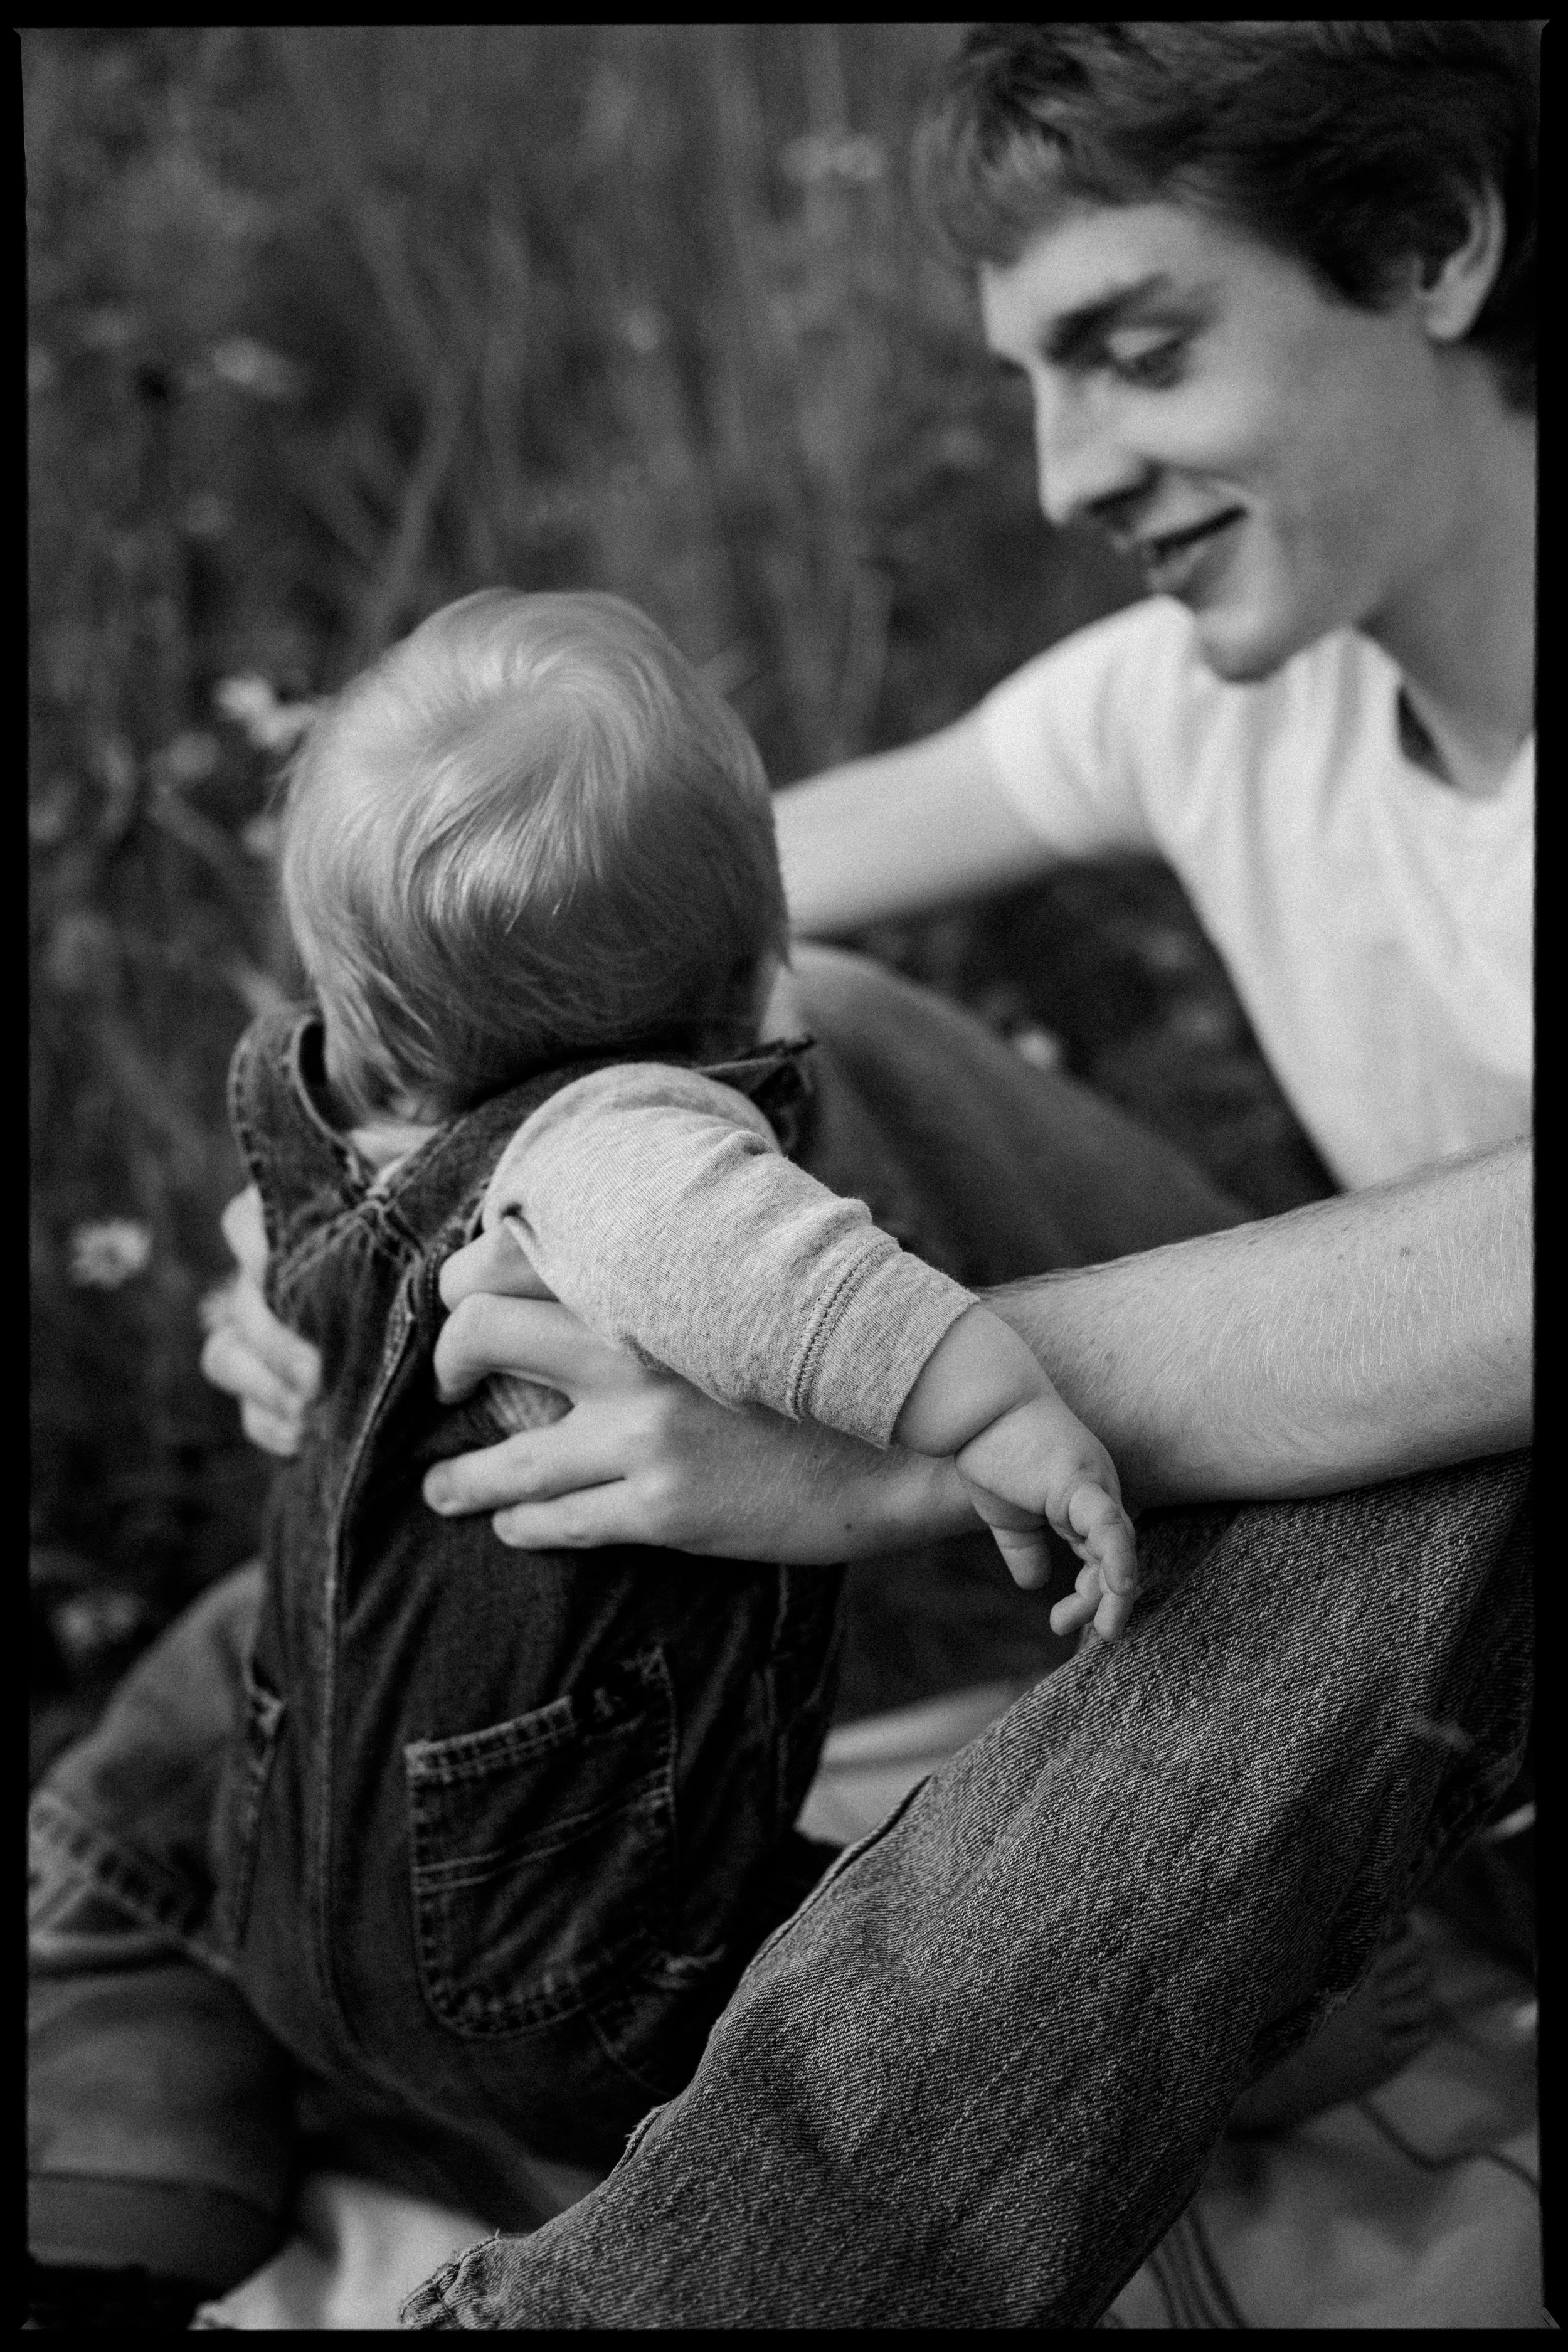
{"points": [[529, 832]]}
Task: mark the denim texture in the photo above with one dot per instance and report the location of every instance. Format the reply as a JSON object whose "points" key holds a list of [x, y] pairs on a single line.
{"points": [[160, 2117], [977, 2075], [992, 1170], [125, 1814], [499, 1830]]}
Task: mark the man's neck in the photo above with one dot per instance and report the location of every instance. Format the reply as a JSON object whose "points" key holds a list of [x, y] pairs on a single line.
{"points": [[1463, 634]]}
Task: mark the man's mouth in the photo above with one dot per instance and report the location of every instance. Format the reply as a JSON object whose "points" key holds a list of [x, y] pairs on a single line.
{"points": [[1171, 559]]}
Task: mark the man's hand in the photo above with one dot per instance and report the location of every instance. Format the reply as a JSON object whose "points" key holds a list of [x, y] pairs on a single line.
{"points": [[1361, 1339], [248, 1353], [644, 1458]]}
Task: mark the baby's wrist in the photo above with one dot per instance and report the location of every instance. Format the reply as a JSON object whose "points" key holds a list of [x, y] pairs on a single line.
{"points": [[979, 1373], [1015, 1418]]}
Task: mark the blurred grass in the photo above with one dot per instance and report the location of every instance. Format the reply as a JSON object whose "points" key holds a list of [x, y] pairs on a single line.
{"points": [[331, 324]]}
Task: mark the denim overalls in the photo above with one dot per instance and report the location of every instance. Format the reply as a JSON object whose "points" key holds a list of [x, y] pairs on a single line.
{"points": [[504, 1827]]}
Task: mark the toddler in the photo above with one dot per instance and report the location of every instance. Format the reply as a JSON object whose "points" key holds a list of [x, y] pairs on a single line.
{"points": [[504, 1828]]}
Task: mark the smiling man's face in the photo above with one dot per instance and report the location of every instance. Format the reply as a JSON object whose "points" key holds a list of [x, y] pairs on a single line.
{"points": [[1271, 456]]}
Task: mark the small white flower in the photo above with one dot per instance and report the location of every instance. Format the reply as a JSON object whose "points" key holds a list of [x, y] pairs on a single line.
{"points": [[252, 703], [244, 699], [106, 1254]]}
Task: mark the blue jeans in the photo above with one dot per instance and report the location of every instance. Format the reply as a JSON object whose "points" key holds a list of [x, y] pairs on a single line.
{"points": [[977, 2076], [164, 2126]]}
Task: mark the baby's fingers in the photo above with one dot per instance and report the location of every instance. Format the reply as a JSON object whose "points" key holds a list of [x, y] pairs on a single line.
{"points": [[1028, 1561], [1074, 1612], [1102, 1529], [1110, 1617]]}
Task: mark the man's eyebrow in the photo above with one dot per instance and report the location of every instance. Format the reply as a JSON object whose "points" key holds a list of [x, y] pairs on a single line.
{"points": [[1066, 338]]}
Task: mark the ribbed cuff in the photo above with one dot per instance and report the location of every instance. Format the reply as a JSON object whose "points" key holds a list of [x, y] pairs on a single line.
{"points": [[872, 1343]]}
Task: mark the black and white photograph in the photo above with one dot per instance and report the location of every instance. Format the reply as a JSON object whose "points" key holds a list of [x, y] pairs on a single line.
{"points": [[781, 914]]}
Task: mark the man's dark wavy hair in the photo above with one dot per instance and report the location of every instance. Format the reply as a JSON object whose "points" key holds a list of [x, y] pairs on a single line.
{"points": [[1353, 147]]}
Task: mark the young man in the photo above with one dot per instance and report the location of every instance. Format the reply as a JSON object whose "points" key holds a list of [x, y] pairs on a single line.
{"points": [[978, 2074], [1320, 443]]}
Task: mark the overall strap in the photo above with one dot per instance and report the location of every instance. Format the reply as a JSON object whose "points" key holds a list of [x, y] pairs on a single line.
{"points": [[439, 1191], [776, 1079], [304, 1170]]}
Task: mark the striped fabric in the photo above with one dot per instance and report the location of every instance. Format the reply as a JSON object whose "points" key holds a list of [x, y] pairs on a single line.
{"points": [[1416, 2206]]}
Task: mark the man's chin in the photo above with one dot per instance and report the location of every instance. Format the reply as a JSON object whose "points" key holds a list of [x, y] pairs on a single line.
{"points": [[1242, 649]]}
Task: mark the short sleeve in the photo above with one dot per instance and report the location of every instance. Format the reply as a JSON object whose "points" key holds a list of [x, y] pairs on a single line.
{"points": [[1079, 737]]}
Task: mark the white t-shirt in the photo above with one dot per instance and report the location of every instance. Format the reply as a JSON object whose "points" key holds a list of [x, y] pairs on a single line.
{"points": [[1377, 922]]}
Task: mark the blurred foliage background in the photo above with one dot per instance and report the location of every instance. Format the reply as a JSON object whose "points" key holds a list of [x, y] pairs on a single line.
{"points": [[329, 325]]}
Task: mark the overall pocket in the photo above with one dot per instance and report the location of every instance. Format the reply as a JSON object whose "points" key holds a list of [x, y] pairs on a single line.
{"points": [[543, 1852], [241, 1795]]}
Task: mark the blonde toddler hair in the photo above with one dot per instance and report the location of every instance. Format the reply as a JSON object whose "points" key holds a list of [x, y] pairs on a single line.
{"points": [[529, 832]]}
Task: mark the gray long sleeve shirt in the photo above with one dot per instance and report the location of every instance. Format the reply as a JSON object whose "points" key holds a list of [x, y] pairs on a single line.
{"points": [[656, 1204]]}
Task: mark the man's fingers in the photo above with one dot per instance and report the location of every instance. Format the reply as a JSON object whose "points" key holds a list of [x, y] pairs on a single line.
{"points": [[536, 1338], [575, 1522], [535, 1467], [496, 1261], [287, 1357], [244, 1228], [230, 1362], [275, 1434], [249, 1351]]}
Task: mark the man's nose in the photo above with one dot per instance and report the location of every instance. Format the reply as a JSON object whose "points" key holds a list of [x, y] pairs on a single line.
{"points": [[1081, 464]]}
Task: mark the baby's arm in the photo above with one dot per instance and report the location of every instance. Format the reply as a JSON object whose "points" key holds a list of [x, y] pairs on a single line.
{"points": [[1026, 1460], [655, 1204]]}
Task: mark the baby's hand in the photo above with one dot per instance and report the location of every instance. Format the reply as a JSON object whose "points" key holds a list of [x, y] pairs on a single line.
{"points": [[1038, 1465], [1029, 1464], [1089, 1600]]}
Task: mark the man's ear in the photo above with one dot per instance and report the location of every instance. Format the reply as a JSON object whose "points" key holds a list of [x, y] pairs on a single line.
{"points": [[1450, 293]]}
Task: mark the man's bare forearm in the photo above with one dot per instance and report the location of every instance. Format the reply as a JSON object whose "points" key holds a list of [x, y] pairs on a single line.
{"points": [[1368, 1336], [1363, 1337]]}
